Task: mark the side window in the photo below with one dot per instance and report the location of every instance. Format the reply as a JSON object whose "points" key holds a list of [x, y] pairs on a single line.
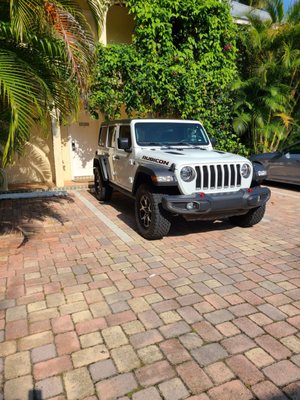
{"points": [[124, 132], [111, 136], [102, 136]]}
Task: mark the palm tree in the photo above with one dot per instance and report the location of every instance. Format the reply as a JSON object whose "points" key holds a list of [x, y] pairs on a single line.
{"points": [[267, 94], [46, 55]]}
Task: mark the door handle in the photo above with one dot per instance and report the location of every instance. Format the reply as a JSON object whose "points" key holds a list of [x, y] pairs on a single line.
{"points": [[116, 158]]}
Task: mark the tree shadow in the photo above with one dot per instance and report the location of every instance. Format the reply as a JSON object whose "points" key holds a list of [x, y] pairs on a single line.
{"points": [[26, 216], [35, 394]]}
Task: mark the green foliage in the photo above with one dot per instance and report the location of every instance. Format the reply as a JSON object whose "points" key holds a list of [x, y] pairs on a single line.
{"points": [[46, 55], [180, 64], [267, 102]]}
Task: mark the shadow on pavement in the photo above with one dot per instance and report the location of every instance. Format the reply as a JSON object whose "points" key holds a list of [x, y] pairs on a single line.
{"points": [[26, 216], [125, 206]]}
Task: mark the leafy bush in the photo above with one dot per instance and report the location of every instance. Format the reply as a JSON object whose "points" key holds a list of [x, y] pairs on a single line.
{"points": [[180, 64]]}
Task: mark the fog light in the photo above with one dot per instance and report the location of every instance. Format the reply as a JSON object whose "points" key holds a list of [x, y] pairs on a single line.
{"points": [[190, 206]]}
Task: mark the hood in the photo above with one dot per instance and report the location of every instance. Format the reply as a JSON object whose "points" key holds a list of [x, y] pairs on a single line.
{"points": [[186, 156]]}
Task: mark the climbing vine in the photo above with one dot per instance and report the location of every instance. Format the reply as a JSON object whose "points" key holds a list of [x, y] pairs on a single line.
{"points": [[180, 64]]}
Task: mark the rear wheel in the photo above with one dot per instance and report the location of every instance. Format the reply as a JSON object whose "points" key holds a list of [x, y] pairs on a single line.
{"points": [[103, 191], [152, 221], [253, 217]]}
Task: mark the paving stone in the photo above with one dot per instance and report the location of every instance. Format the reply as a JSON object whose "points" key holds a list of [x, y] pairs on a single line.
{"points": [[17, 365], [62, 324], [155, 373], [147, 394], [16, 329], [228, 329], [102, 370], [273, 347], [138, 305], [248, 327], [18, 388], [174, 351], [209, 353], [293, 390], [7, 348], [78, 384], [52, 367], [90, 339], [241, 310], [67, 343], [260, 319], [133, 327], [36, 340], [143, 339], [114, 337], [16, 313], [189, 314], [173, 389], [150, 319], [90, 326], [280, 329], [259, 357], [282, 373], [150, 354], [245, 370], [238, 344], [292, 342], [219, 372], [89, 355], [50, 387], [125, 358], [194, 377], [116, 387], [191, 340], [266, 390], [219, 316], [175, 329], [43, 353], [170, 316], [233, 390], [207, 332], [272, 312]]}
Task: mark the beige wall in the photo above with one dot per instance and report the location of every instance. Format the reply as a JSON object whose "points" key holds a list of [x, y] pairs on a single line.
{"points": [[35, 165], [119, 25]]}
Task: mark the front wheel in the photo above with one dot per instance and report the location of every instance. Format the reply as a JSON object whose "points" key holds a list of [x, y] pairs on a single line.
{"points": [[103, 191], [253, 217], [152, 221]]}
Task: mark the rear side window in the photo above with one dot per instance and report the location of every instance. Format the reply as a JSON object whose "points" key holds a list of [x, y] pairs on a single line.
{"points": [[124, 132], [102, 136], [111, 136]]}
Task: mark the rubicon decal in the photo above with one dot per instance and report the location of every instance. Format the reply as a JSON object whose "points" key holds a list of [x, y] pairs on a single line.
{"points": [[156, 160]]}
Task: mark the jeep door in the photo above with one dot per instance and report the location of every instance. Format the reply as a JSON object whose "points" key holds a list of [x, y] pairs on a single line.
{"points": [[123, 163]]}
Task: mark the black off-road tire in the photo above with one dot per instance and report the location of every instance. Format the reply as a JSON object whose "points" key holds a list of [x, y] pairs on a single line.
{"points": [[253, 217], [103, 191], [152, 221]]}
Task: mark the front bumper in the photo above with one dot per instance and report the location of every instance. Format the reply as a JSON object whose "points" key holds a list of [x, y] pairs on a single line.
{"points": [[217, 203]]}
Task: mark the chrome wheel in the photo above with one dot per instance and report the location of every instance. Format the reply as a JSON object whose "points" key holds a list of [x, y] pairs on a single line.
{"points": [[145, 211]]}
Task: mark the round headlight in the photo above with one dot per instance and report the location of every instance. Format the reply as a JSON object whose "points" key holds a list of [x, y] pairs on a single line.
{"points": [[245, 171], [187, 174]]}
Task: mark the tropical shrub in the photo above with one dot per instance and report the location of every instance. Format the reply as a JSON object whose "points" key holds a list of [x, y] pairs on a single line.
{"points": [[267, 102]]}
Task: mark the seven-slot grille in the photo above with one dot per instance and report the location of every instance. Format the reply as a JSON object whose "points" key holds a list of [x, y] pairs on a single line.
{"points": [[219, 176]]}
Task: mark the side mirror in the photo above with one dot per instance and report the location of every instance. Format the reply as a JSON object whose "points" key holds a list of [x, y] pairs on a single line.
{"points": [[213, 141], [123, 143]]}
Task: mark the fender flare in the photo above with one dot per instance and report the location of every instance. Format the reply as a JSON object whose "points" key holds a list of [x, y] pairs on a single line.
{"points": [[101, 162], [151, 171]]}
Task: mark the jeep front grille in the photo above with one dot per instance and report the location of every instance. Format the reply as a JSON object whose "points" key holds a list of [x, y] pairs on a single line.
{"points": [[218, 176]]}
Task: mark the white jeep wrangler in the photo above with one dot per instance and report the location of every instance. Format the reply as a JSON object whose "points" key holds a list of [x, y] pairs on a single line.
{"points": [[170, 168]]}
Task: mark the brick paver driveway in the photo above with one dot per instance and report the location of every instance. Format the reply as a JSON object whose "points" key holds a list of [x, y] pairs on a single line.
{"points": [[91, 310]]}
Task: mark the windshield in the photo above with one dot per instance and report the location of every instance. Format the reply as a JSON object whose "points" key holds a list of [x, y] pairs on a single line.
{"points": [[170, 134]]}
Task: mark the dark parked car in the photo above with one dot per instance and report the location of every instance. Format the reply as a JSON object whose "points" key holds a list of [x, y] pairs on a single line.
{"points": [[281, 166]]}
